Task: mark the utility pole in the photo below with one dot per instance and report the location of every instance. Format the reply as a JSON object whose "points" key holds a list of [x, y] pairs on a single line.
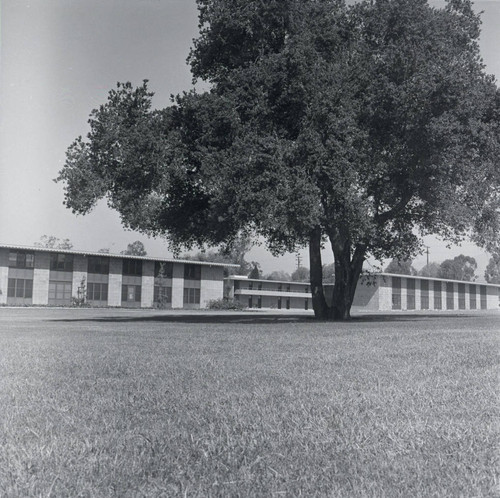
{"points": [[299, 260], [427, 247]]}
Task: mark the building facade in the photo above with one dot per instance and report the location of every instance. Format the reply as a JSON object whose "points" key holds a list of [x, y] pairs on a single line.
{"points": [[377, 292], [54, 277]]}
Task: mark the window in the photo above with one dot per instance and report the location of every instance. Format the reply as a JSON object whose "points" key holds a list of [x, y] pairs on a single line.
{"points": [[410, 293], [132, 267], [250, 285], [192, 272], [424, 294], [482, 291], [287, 303], [162, 294], [61, 262], [438, 301], [259, 302], [472, 296], [98, 264], [250, 303], [19, 287], [21, 259], [192, 296], [97, 292], [280, 287], [461, 296], [60, 291], [131, 293], [306, 304], [396, 293], [308, 290], [449, 296], [279, 303], [260, 286], [288, 288], [163, 270]]}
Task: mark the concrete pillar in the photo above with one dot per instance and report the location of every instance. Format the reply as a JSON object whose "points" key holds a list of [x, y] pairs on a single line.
{"points": [[41, 275], [115, 282], [404, 294], [178, 285], [4, 275], [418, 294], [147, 284]]}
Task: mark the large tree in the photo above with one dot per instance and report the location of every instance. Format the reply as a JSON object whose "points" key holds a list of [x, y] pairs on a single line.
{"points": [[365, 126]]}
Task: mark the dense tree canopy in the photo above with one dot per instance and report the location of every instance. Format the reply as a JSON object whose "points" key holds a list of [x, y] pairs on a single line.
{"points": [[492, 272], [301, 274], [135, 249], [459, 268], [401, 267], [365, 126], [430, 270], [234, 254]]}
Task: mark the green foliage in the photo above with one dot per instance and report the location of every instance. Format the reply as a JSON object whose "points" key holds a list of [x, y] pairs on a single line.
{"points": [[135, 249], [367, 125], [225, 304], [329, 273], [232, 252], [401, 267], [256, 272], [492, 272], [430, 270], [279, 276], [459, 268], [80, 300], [52, 242], [301, 274]]}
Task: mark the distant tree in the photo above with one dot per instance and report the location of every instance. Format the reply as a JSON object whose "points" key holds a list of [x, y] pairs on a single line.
{"points": [[329, 273], [104, 250], [401, 267], [459, 268], [235, 251], [492, 272], [256, 271], [52, 242], [135, 249], [430, 270], [231, 253], [301, 274], [278, 275]]}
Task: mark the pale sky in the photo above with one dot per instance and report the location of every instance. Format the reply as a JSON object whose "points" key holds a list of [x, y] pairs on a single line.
{"points": [[59, 59]]}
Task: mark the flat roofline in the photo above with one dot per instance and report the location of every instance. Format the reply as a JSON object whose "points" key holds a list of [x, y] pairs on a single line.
{"points": [[111, 255], [375, 274], [246, 279]]}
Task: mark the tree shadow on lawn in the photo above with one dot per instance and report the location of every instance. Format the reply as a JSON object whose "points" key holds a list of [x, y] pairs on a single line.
{"points": [[258, 318]]}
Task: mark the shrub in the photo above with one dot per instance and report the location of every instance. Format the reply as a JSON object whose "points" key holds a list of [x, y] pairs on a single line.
{"points": [[225, 304]]}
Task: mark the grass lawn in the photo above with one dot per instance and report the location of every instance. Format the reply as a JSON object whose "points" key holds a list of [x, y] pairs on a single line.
{"points": [[143, 403]]}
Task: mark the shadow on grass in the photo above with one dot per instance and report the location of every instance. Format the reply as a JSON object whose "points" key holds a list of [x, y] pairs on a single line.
{"points": [[257, 318]]}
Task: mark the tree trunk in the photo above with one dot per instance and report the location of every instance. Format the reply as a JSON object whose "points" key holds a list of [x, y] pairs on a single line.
{"points": [[347, 274], [321, 310]]}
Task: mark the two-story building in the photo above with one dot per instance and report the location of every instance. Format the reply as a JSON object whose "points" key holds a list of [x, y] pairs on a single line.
{"points": [[376, 292], [40, 276]]}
